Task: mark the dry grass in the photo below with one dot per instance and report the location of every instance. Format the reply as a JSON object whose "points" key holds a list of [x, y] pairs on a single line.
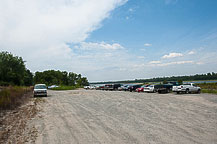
{"points": [[19, 108], [13, 97]]}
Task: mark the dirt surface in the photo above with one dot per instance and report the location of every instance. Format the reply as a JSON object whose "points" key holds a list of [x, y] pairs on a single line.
{"points": [[90, 116], [14, 127]]}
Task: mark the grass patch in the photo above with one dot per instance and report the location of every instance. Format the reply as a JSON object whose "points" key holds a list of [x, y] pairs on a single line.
{"points": [[65, 88], [208, 87], [212, 91], [12, 97]]}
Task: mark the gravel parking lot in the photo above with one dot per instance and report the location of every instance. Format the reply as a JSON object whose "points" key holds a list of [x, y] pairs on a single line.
{"points": [[90, 116]]}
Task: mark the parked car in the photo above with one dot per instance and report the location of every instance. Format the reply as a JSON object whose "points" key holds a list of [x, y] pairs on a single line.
{"points": [[186, 88], [92, 87], [122, 87], [86, 87], [126, 87], [141, 89], [100, 87], [40, 90], [133, 87], [150, 88], [112, 86], [53, 86], [164, 88]]}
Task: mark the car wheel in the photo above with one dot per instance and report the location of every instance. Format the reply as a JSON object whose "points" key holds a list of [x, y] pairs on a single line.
{"points": [[198, 91], [187, 91], [177, 92]]}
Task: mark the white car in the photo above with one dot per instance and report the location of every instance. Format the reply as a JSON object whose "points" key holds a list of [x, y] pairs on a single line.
{"points": [[92, 87], [53, 86], [149, 88], [186, 88], [86, 87], [40, 90]]}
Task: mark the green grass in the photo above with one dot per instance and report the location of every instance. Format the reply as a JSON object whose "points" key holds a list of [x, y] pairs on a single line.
{"points": [[212, 91], [208, 87], [65, 88]]}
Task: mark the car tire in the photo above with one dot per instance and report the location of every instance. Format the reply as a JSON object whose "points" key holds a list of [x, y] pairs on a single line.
{"points": [[187, 91], [177, 92], [198, 91]]}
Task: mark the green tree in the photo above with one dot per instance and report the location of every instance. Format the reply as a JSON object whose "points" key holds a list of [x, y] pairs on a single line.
{"points": [[13, 70]]}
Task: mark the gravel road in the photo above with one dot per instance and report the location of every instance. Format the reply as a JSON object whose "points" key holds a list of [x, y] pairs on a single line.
{"points": [[92, 117]]}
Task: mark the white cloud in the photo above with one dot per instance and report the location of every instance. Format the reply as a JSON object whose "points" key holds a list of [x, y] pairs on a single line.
{"points": [[98, 46], [39, 30], [141, 57], [147, 45], [191, 52], [172, 55], [155, 62], [173, 63]]}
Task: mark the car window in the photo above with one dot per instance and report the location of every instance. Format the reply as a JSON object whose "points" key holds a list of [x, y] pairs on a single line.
{"points": [[40, 87]]}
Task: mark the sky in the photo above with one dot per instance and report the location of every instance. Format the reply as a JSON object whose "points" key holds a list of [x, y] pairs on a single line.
{"points": [[108, 40]]}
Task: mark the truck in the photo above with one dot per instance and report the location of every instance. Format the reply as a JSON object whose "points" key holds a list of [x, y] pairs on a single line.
{"points": [[186, 88]]}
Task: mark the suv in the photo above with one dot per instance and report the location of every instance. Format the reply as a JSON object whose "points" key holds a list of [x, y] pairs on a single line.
{"points": [[40, 90]]}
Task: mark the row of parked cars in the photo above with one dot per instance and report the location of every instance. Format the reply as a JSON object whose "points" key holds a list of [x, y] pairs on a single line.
{"points": [[160, 88]]}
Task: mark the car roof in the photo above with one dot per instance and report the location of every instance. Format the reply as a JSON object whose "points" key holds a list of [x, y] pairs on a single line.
{"points": [[40, 84]]}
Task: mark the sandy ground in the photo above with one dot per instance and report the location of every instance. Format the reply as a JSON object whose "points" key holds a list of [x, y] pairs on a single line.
{"points": [[14, 128], [92, 117]]}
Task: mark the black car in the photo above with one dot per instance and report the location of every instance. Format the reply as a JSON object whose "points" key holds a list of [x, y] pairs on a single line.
{"points": [[133, 87], [112, 86], [164, 88]]}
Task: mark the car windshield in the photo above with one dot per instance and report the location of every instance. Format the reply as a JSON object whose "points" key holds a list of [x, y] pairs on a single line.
{"points": [[40, 87]]}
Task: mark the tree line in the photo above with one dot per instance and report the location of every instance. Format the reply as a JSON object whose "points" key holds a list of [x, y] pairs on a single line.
{"points": [[208, 76], [51, 77], [14, 72]]}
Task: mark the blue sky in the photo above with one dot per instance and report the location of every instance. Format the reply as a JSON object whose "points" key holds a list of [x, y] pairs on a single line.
{"points": [[107, 40], [173, 26], [179, 26]]}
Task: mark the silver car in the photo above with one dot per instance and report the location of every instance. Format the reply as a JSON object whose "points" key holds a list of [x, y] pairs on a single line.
{"points": [[40, 90]]}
